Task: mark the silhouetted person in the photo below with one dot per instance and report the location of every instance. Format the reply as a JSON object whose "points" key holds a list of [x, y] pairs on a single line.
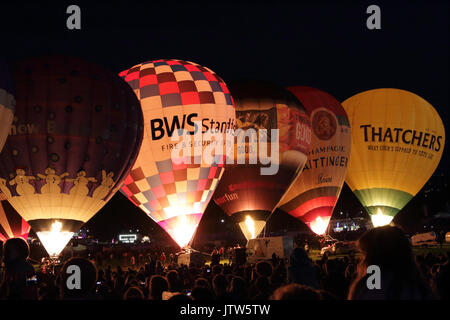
{"points": [[18, 282], [87, 274], [158, 285], [301, 269], [215, 257], [263, 269], [220, 285], [216, 269], [173, 281], [202, 282], [274, 259], [238, 289], [133, 293], [388, 248], [262, 287], [163, 258]]}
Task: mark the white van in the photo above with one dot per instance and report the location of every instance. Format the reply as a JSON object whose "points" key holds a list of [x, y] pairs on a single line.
{"points": [[262, 248]]}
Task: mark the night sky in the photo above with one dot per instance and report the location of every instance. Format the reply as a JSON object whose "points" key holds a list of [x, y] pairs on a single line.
{"points": [[321, 44]]}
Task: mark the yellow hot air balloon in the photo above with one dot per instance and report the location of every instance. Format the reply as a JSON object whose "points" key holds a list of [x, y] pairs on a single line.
{"points": [[397, 143]]}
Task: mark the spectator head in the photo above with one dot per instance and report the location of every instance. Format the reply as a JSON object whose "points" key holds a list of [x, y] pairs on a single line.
{"points": [[389, 249], [296, 292], [133, 293], [78, 279], [15, 249], [264, 269], [386, 247], [217, 269], [238, 288], [158, 285], [202, 282], [220, 284], [173, 280]]}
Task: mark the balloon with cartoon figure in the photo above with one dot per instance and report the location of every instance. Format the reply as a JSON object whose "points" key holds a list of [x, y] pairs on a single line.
{"points": [[52, 181], [70, 114], [80, 184], [22, 182], [106, 185]]}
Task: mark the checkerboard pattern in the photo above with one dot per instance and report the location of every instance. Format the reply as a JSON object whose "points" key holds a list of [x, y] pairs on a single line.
{"points": [[161, 186], [175, 189], [168, 83]]}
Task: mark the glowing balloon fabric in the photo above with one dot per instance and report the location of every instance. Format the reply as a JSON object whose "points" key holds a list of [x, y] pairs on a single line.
{"points": [[313, 195], [7, 102], [244, 193], [397, 142], [11, 223], [75, 136], [175, 94]]}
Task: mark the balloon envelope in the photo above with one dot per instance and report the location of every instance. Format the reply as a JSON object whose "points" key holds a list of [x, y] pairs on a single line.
{"points": [[313, 195], [172, 181], [245, 192], [7, 102], [76, 134], [397, 142], [11, 223]]}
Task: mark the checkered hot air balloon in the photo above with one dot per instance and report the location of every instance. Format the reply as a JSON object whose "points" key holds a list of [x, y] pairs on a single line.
{"points": [[313, 195], [7, 102], [174, 188], [76, 134]]}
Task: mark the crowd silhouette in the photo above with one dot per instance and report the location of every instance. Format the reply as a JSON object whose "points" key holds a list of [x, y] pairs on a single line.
{"points": [[404, 276]]}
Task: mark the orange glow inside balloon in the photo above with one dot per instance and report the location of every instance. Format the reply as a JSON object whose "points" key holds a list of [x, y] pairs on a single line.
{"points": [[320, 224], [181, 227]]}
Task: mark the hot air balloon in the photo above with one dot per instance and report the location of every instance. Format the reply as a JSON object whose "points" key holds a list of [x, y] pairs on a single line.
{"points": [[397, 143], [76, 134], [313, 195], [172, 187], [246, 193], [7, 102], [12, 225]]}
